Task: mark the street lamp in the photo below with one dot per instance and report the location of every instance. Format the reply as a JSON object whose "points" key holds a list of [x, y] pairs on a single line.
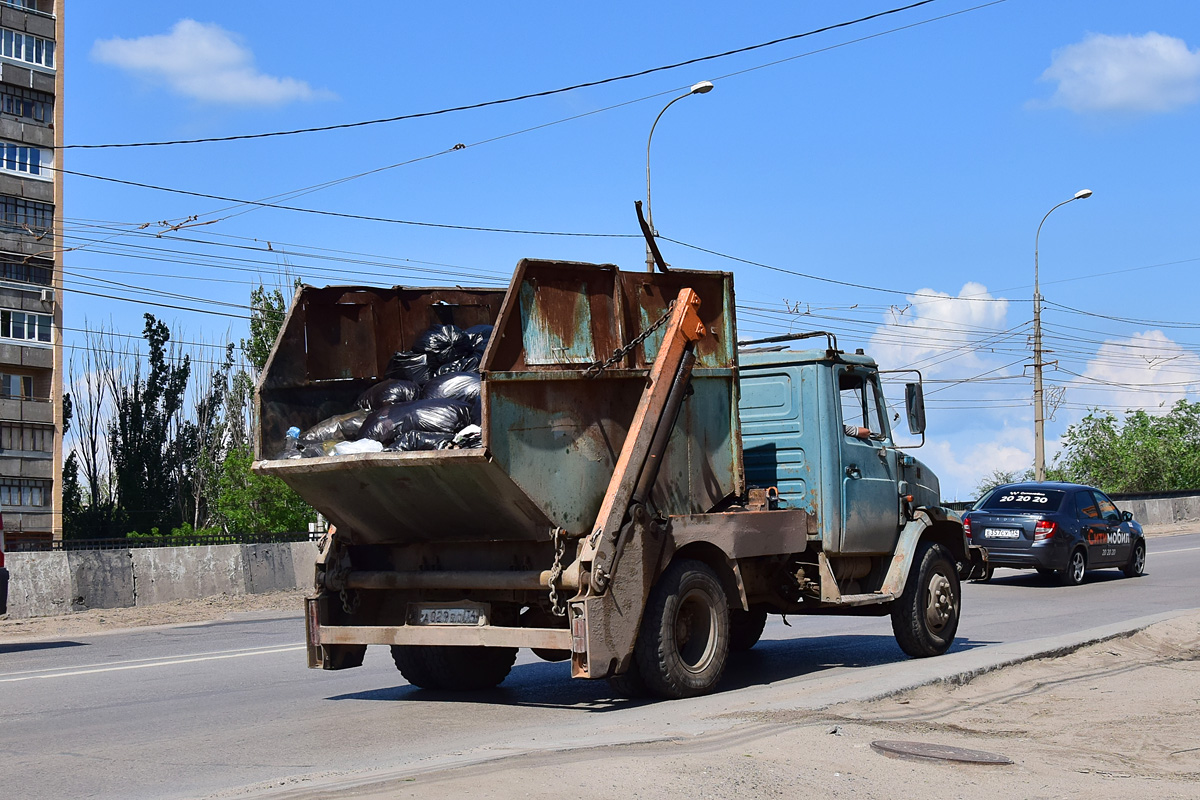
{"points": [[703, 87], [1039, 412]]}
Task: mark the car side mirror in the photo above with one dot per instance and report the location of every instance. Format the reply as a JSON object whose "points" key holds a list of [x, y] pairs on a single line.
{"points": [[1127, 516], [914, 405]]}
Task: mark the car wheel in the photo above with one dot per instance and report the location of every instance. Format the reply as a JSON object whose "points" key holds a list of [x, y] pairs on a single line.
{"points": [[1137, 560], [1076, 567], [925, 615]]}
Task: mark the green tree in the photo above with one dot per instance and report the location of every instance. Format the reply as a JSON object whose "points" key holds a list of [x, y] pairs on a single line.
{"points": [[202, 441], [1142, 453], [251, 503], [143, 436], [268, 309], [72, 505], [243, 501], [999, 477]]}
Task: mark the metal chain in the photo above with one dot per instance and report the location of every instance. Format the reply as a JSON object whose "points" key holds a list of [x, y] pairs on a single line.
{"points": [[595, 369], [557, 606], [350, 602]]}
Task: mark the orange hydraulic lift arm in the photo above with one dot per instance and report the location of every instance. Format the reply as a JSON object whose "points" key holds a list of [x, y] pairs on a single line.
{"points": [[645, 443]]}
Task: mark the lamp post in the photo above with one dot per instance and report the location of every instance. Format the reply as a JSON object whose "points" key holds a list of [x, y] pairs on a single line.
{"points": [[703, 87], [1039, 412]]}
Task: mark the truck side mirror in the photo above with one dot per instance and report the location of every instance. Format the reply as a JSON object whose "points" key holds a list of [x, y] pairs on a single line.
{"points": [[914, 404]]}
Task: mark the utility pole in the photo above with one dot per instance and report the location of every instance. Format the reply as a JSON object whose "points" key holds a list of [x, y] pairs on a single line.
{"points": [[1039, 405]]}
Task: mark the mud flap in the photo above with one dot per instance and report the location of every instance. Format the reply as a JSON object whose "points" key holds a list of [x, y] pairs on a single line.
{"points": [[327, 656]]}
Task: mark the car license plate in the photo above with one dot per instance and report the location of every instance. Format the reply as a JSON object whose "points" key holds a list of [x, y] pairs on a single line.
{"points": [[446, 615], [1001, 533]]}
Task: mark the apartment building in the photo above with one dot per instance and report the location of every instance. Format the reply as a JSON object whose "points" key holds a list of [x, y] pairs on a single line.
{"points": [[31, 354]]}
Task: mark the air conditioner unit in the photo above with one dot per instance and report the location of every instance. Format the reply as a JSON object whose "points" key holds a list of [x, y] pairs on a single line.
{"points": [[47, 295]]}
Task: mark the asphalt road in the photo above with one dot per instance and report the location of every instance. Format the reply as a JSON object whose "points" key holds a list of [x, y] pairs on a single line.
{"points": [[208, 709]]}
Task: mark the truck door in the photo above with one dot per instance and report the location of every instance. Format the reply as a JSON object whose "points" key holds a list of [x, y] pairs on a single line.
{"points": [[870, 499]]}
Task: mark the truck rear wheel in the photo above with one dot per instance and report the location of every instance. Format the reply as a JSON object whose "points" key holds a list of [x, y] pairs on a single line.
{"points": [[745, 628], [453, 668], [684, 639], [925, 616], [629, 684]]}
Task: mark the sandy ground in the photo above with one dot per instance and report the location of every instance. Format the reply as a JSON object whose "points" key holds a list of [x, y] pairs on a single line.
{"points": [[100, 620], [1120, 719]]}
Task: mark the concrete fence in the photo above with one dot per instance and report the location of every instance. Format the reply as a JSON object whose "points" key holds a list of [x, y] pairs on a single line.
{"points": [[1161, 509], [60, 582]]}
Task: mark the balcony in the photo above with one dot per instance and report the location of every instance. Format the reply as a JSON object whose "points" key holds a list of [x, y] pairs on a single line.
{"points": [[16, 409]]}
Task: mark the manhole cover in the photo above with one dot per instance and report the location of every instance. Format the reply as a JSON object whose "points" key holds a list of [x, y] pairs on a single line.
{"points": [[926, 751]]}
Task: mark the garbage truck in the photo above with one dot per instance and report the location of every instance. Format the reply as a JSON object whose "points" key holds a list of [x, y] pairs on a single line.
{"points": [[647, 490]]}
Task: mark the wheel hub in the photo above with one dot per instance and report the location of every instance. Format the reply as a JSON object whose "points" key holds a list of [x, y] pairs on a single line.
{"points": [[695, 632], [940, 603]]}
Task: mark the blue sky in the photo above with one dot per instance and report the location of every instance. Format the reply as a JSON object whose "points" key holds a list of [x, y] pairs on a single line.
{"points": [[917, 162]]}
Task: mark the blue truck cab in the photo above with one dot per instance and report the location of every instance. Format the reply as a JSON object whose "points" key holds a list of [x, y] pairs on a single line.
{"points": [[803, 414]]}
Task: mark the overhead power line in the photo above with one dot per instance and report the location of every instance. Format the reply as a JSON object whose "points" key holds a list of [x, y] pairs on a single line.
{"points": [[517, 98]]}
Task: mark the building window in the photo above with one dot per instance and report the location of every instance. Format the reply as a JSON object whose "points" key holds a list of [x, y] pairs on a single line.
{"points": [[23, 158], [26, 215], [26, 103], [23, 492], [19, 387], [25, 47], [26, 437], [23, 325], [35, 271]]}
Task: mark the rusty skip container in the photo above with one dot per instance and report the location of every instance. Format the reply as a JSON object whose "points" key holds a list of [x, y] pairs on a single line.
{"points": [[552, 432]]}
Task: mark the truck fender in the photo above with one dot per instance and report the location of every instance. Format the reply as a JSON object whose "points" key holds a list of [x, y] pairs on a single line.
{"points": [[927, 524]]}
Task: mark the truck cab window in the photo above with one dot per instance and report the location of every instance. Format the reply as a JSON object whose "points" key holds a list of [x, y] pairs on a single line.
{"points": [[861, 407]]}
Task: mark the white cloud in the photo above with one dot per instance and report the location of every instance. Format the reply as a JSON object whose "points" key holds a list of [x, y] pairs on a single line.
{"points": [[204, 62], [1149, 73], [962, 461], [1148, 370], [937, 332]]}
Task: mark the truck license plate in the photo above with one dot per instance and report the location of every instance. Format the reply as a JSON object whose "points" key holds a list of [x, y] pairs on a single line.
{"points": [[1001, 533], [445, 615]]}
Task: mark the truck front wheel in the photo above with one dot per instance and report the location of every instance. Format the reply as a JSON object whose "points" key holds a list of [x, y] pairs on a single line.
{"points": [[453, 668], [925, 616], [684, 639], [745, 628]]}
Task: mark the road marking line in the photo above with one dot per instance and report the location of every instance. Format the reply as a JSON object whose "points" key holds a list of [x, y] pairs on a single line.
{"points": [[71, 673], [143, 660], [1181, 550]]}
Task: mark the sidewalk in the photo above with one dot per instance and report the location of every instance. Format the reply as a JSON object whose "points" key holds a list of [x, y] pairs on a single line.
{"points": [[1118, 718]]}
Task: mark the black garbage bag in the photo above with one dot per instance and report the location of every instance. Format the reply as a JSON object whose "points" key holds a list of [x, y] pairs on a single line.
{"points": [[479, 336], [453, 385], [443, 343], [308, 450], [406, 365], [389, 392], [410, 441], [432, 416], [465, 364], [341, 426]]}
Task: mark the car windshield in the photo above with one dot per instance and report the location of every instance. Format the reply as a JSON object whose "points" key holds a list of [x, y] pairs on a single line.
{"points": [[1024, 500]]}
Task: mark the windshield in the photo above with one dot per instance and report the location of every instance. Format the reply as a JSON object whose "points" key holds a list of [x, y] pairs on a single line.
{"points": [[1024, 500]]}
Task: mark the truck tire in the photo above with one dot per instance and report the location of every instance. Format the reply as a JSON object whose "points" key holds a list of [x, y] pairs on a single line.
{"points": [[745, 628], [630, 684], [683, 643], [461, 669], [925, 616]]}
